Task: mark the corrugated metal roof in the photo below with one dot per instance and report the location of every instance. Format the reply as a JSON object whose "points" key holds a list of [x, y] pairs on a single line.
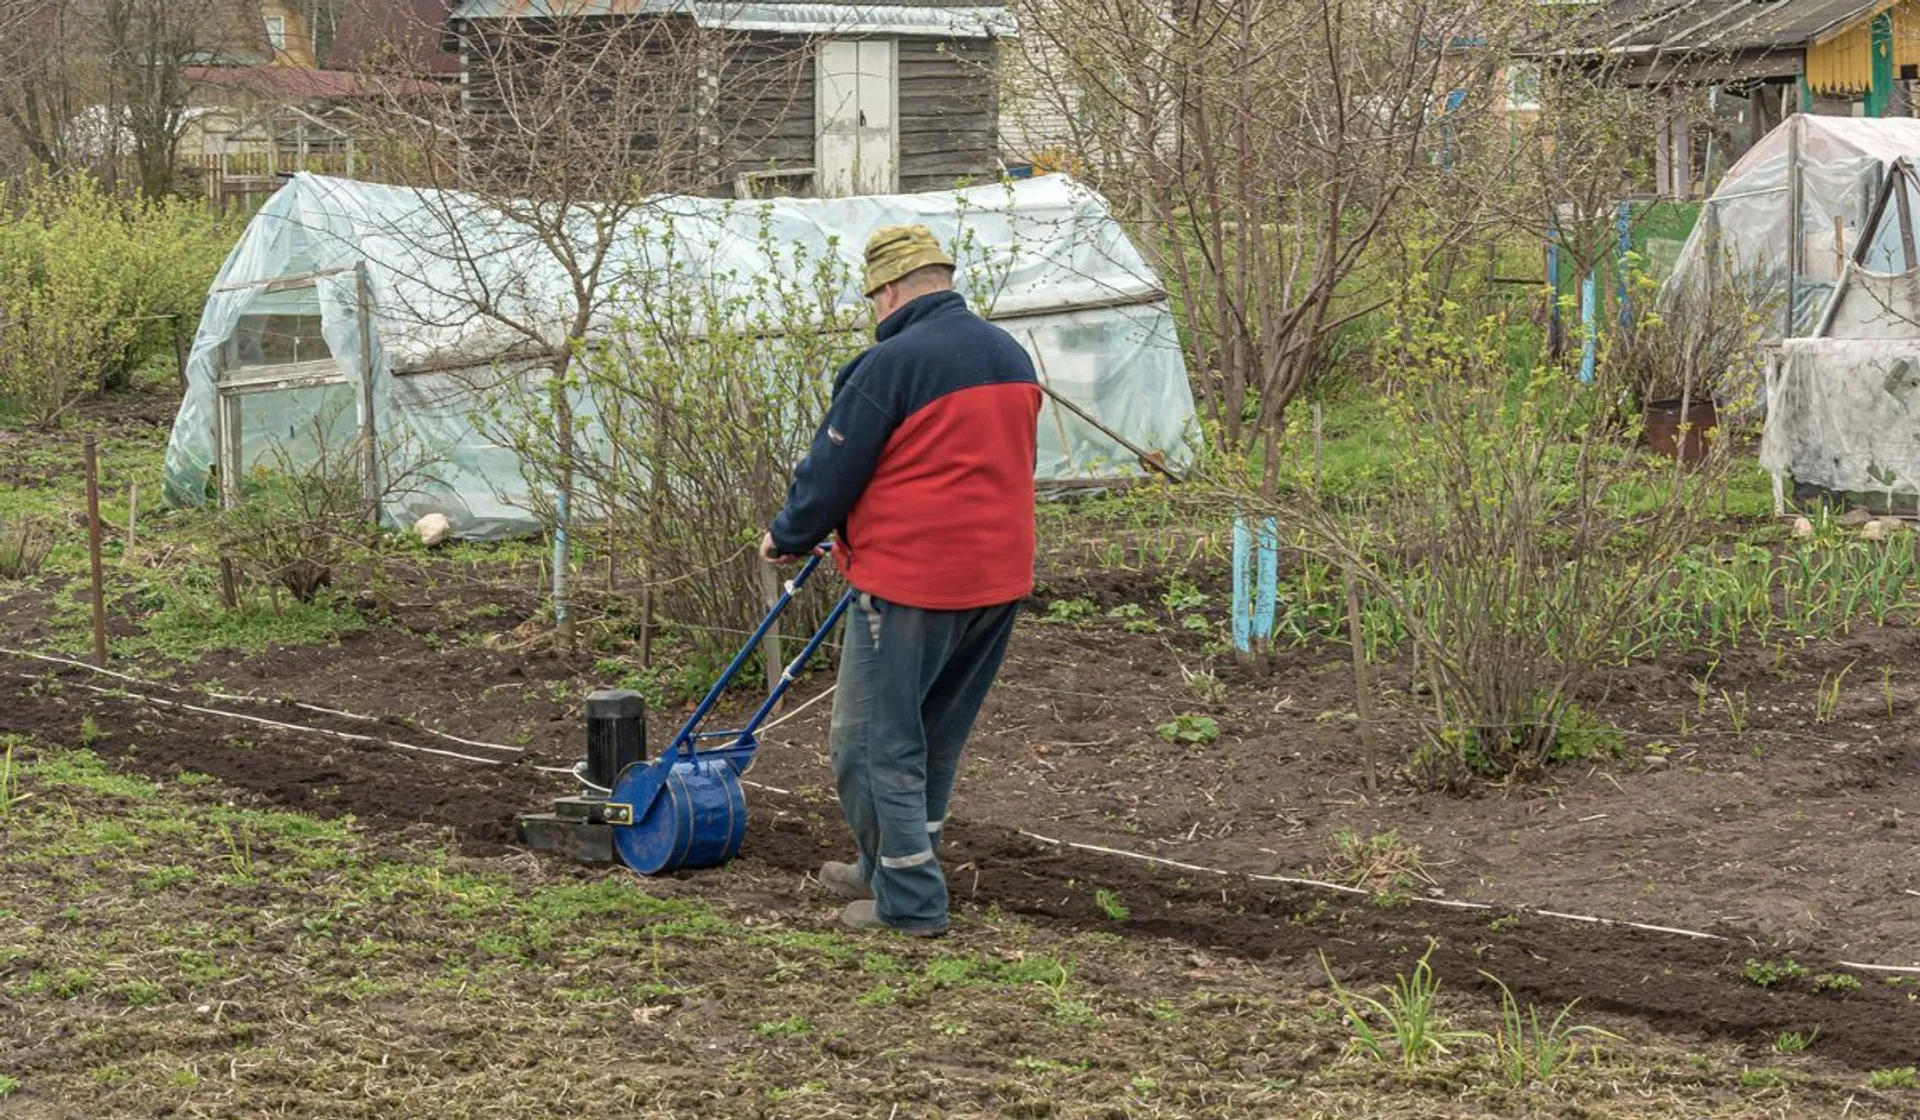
{"points": [[954, 19], [1697, 26]]}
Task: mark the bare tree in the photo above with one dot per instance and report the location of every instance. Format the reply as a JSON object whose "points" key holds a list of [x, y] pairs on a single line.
{"points": [[84, 82], [42, 80], [533, 177], [147, 45], [1263, 146]]}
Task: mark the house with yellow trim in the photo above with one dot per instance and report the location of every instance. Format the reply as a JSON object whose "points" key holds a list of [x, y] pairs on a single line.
{"points": [[1759, 61]]}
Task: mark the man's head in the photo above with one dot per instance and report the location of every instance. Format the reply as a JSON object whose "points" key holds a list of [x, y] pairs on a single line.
{"points": [[903, 264]]}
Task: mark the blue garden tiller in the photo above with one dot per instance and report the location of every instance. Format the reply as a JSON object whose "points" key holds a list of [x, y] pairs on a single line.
{"points": [[685, 809]]}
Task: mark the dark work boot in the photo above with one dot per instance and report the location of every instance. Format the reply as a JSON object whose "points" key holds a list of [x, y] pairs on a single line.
{"points": [[844, 879]]}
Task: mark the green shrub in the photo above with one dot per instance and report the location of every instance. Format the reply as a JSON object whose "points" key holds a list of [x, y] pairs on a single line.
{"points": [[92, 285]]}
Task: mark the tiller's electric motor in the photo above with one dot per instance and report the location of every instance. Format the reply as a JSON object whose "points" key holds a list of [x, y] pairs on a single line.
{"points": [[685, 809]]}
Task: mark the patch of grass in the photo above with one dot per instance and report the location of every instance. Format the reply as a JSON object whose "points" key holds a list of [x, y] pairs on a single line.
{"points": [[1380, 862], [8, 1086], [880, 995], [791, 1027], [1795, 1042], [1904, 1077], [64, 983], [166, 878], [86, 771], [1763, 1078], [138, 993], [180, 632]]}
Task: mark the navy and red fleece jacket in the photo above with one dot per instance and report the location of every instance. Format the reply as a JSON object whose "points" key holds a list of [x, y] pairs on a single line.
{"points": [[924, 464]]}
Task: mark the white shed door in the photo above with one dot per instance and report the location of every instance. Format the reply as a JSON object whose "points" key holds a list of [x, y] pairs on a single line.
{"points": [[854, 116]]}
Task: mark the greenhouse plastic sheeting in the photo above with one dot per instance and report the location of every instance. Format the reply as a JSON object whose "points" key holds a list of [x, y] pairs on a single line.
{"points": [[1042, 256], [1846, 415], [1845, 412], [1842, 162]]}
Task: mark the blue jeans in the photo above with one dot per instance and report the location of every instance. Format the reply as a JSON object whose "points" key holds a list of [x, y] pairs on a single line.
{"points": [[911, 683]]}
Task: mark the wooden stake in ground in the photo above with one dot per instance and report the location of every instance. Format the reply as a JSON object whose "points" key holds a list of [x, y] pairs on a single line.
{"points": [[133, 517], [93, 553], [229, 584]]}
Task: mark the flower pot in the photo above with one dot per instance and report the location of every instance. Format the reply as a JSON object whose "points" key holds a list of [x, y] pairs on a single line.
{"points": [[1663, 424]]}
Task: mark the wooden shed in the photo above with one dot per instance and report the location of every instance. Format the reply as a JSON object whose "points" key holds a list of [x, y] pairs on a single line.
{"points": [[811, 99]]}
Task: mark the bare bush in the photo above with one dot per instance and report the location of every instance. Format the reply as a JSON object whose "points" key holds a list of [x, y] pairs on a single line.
{"points": [[25, 543], [1515, 540], [304, 512]]}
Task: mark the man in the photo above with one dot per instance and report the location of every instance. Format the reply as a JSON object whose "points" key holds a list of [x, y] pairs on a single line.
{"points": [[924, 468]]}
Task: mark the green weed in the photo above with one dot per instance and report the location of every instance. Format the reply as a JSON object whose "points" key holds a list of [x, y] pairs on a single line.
{"points": [[9, 779], [1109, 903], [1189, 727], [1528, 1050], [1070, 610], [1407, 1018], [1904, 1077], [1827, 700], [1836, 982], [1768, 974], [1795, 1042], [1762, 1078], [8, 1086], [790, 1027]]}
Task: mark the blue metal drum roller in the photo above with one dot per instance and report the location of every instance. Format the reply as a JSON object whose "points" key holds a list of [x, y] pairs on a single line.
{"points": [[696, 817], [685, 809]]}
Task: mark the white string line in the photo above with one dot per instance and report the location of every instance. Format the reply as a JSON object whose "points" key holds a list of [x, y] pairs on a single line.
{"points": [[349, 736], [771, 724], [576, 768], [258, 700], [1318, 884]]}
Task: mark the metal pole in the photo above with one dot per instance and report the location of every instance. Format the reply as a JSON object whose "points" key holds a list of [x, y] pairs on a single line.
{"points": [[369, 456], [93, 554], [1795, 250]]}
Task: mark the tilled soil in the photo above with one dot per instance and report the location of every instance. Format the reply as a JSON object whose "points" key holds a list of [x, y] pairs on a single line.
{"points": [[1681, 985]]}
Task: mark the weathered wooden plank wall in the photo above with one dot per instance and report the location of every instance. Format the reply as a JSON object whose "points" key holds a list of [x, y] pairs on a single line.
{"points": [[949, 112]]}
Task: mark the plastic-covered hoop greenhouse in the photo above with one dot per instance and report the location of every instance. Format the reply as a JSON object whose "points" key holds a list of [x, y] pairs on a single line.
{"points": [[1788, 213], [1824, 213], [352, 317]]}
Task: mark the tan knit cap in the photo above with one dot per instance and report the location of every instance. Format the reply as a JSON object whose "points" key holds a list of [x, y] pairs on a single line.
{"points": [[894, 251]]}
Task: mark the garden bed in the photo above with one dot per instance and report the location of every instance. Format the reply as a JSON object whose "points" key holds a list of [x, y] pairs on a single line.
{"points": [[1760, 800]]}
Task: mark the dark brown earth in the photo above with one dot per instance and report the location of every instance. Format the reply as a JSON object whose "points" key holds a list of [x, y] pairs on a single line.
{"points": [[1681, 985]]}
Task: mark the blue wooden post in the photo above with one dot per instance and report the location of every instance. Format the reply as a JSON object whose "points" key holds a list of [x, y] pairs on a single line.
{"points": [[1242, 606], [560, 561], [1589, 317], [1556, 330], [1624, 219], [1267, 571]]}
